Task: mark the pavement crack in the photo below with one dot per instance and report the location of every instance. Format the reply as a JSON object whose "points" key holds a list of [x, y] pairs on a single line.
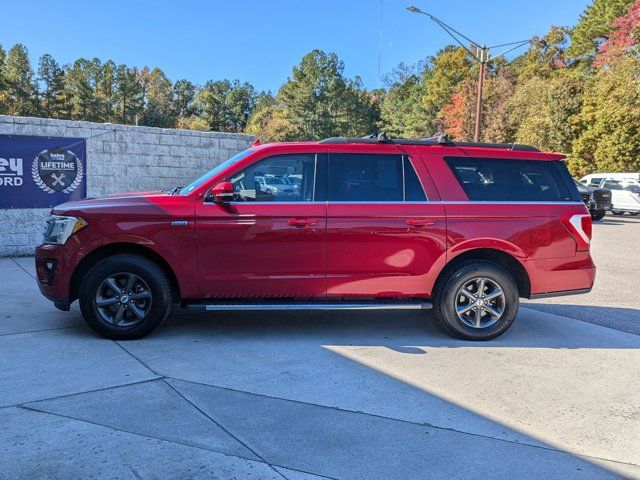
{"points": [[245, 445], [22, 268], [101, 389], [391, 419], [141, 362], [40, 330], [162, 439]]}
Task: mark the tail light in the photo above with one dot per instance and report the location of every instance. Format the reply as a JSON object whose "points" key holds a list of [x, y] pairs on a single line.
{"points": [[580, 227]]}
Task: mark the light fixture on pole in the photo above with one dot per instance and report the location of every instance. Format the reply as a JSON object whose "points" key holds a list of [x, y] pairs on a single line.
{"points": [[481, 54]]}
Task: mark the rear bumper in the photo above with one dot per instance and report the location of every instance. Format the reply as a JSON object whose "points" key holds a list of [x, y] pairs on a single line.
{"points": [[563, 293], [559, 277]]}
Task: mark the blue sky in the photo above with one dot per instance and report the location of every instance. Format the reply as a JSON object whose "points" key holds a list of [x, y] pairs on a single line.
{"points": [[259, 41]]}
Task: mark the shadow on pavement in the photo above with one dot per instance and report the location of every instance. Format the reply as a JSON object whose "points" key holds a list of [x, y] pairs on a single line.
{"points": [[396, 330], [619, 318]]}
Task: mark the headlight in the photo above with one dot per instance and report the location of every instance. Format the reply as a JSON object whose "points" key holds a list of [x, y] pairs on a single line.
{"points": [[59, 228]]}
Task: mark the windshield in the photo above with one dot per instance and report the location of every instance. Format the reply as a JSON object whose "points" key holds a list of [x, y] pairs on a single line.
{"points": [[212, 173]]}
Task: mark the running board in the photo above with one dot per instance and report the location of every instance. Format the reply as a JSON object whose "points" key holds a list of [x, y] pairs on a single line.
{"points": [[269, 306]]}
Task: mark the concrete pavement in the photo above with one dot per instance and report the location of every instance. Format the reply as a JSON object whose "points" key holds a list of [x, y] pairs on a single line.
{"points": [[313, 395]]}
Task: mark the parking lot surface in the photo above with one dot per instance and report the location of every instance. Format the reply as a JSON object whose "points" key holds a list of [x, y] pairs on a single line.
{"points": [[334, 394]]}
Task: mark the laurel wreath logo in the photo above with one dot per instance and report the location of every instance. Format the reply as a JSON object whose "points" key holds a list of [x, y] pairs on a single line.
{"points": [[38, 180]]}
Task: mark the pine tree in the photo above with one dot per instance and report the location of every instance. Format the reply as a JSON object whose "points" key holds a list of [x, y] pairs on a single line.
{"points": [[129, 95], [225, 105], [184, 92], [160, 109], [319, 102], [51, 80], [3, 82], [22, 93], [106, 92], [81, 80], [403, 113]]}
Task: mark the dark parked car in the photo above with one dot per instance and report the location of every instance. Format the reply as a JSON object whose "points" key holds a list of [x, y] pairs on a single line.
{"points": [[597, 200]]}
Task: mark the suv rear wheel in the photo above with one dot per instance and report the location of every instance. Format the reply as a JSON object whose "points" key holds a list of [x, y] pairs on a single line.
{"points": [[477, 301], [125, 296]]}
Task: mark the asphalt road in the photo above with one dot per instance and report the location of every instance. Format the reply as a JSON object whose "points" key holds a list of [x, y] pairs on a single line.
{"points": [[328, 395]]}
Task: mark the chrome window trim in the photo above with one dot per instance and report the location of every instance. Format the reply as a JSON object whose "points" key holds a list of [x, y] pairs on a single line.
{"points": [[506, 202], [432, 202]]}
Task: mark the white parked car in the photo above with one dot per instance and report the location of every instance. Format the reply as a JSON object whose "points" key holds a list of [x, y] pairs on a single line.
{"points": [[596, 179], [277, 186], [625, 195]]}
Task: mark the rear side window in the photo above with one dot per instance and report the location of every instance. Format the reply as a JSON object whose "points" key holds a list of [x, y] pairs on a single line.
{"points": [[496, 179], [612, 185], [372, 178]]}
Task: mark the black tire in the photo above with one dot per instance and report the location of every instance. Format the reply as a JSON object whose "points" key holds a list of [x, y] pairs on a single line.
{"points": [[617, 212], [148, 280], [446, 301], [634, 214], [598, 215]]}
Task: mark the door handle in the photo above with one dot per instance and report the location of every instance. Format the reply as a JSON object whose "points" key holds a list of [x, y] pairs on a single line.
{"points": [[302, 222], [420, 222]]}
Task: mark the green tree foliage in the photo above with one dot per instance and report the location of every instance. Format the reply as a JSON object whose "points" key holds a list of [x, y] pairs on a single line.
{"points": [[594, 26], [184, 93], [52, 94], [318, 101], [3, 82], [575, 90], [225, 105], [106, 92], [546, 55], [268, 121], [160, 109], [21, 97], [80, 87], [450, 68], [402, 110], [610, 139], [129, 95]]}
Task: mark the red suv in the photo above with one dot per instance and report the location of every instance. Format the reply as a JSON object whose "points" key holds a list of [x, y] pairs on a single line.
{"points": [[343, 223]]}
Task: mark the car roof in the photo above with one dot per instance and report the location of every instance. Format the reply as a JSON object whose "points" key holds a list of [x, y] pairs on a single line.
{"points": [[458, 149]]}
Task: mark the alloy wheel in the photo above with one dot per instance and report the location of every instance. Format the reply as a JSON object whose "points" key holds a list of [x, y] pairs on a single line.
{"points": [[480, 302], [123, 299]]}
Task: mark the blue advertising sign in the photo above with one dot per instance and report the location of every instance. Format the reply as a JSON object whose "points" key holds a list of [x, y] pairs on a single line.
{"points": [[41, 172]]}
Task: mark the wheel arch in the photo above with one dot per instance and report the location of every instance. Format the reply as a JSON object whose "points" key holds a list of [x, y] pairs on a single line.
{"points": [[505, 260], [107, 250]]}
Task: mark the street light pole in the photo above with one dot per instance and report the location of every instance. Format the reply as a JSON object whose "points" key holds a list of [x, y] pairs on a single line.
{"points": [[481, 55], [484, 58]]}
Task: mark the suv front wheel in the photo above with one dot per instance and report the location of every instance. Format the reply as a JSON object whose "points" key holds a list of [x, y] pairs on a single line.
{"points": [[125, 296], [477, 301]]}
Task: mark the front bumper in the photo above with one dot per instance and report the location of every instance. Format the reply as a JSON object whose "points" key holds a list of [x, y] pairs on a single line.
{"points": [[54, 269]]}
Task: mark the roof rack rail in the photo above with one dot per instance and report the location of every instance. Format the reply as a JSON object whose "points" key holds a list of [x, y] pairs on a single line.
{"points": [[437, 140]]}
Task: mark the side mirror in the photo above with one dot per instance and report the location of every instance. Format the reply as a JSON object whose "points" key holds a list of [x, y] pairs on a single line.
{"points": [[222, 192]]}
